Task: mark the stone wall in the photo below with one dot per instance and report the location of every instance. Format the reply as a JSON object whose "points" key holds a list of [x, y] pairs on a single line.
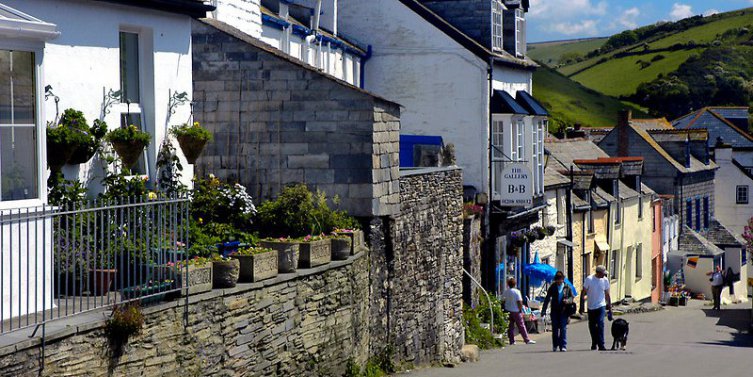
{"points": [[424, 259], [278, 121], [471, 259], [302, 324]]}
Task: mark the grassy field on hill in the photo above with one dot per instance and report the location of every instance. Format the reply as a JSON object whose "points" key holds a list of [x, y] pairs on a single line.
{"points": [[621, 77], [571, 103], [549, 53], [709, 32]]}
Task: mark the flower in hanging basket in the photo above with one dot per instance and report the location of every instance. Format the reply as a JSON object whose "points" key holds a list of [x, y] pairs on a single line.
{"points": [[90, 141], [540, 232], [517, 239], [129, 142], [551, 229], [192, 139], [70, 140]]}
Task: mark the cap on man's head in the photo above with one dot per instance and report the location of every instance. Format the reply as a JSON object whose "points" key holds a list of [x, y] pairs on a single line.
{"points": [[601, 269]]}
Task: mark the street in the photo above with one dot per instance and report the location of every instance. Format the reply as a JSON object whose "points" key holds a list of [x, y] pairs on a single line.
{"points": [[678, 341]]}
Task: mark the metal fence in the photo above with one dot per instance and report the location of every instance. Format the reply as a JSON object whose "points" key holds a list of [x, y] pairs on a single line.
{"points": [[60, 261]]}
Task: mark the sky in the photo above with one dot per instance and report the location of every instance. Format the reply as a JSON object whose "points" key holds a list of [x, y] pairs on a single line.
{"points": [[550, 20]]}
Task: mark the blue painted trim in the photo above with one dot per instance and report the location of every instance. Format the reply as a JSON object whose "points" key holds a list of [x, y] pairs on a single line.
{"points": [[275, 22], [301, 31], [364, 59]]}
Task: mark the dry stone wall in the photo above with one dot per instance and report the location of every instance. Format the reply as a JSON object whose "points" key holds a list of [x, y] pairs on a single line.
{"points": [[471, 259]]}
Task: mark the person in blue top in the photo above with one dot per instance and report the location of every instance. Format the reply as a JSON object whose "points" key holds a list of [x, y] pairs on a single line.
{"points": [[562, 299]]}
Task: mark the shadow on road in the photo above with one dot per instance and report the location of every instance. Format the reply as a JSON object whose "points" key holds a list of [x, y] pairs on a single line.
{"points": [[737, 319]]}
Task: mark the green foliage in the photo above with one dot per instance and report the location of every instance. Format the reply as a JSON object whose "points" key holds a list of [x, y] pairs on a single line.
{"points": [[204, 236], [247, 251], [194, 131], [120, 186], [625, 38], [65, 192], [501, 320], [474, 333], [298, 212], [570, 58], [169, 170], [218, 202], [130, 134], [126, 320]]}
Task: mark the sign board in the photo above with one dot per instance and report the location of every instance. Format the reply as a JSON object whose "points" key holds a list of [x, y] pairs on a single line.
{"points": [[516, 185]]}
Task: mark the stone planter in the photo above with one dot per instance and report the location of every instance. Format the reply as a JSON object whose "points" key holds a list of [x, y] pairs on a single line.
{"points": [[315, 253], [225, 273], [287, 254], [356, 238], [197, 280], [257, 267], [342, 248]]}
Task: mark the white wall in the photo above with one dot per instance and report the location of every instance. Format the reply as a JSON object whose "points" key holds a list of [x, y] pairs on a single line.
{"points": [[245, 15], [84, 60], [512, 80], [732, 215], [442, 86]]}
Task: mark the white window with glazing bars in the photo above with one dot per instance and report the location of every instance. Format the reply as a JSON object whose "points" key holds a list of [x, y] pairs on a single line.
{"points": [[497, 14]]}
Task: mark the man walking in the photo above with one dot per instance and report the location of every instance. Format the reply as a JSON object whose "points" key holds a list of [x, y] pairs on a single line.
{"points": [[596, 290], [717, 283]]}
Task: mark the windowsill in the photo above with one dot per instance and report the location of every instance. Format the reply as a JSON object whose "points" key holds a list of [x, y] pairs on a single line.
{"points": [[19, 204]]}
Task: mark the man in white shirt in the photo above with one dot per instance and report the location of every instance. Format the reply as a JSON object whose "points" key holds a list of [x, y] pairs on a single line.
{"points": [[596, 289], [514, 306], [717, 283]]}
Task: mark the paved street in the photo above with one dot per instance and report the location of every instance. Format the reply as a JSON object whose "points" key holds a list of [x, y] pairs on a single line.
{"points": [[686, 341]]}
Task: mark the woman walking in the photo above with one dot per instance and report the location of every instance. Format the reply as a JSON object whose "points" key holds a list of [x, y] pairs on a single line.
{"points": [[514, 306], [562, 299]]}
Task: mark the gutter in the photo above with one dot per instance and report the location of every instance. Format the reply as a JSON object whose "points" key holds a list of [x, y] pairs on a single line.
{"points": [[187, 7], [364, 59]]}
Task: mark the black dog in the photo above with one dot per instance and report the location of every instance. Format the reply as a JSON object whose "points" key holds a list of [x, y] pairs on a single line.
{"points": [[620, 329]]}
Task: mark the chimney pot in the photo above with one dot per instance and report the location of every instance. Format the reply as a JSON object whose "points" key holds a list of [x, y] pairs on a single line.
{"points": [[624, 117]]}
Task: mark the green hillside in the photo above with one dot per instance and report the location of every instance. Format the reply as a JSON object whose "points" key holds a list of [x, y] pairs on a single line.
{"points": [[570, 103], [550, 53], [668, 68]]}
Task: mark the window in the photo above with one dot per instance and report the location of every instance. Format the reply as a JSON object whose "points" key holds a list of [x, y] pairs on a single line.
{"points": [[689, 213], [18, 131], [614, 257], [638, 262], [520, 143], [654, 273], [541, 126], [498, 155], [742, 194], [743, 257], [697, 214], [520, 32], [535, 159], [497, 11], [130, 86], [617, 210], [706, 212], [561, 208], [590, 215], [653, 218]]}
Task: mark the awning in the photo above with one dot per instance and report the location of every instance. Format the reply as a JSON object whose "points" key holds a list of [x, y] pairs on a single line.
{"points": [[602, 245], [565, 243], [503, 103], [17, 24]]}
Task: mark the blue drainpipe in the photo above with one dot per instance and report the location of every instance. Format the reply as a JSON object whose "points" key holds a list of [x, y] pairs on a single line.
{"points": [[363, 65]]}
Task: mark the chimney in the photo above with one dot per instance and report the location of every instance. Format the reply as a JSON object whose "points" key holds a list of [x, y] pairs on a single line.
{"points": [[623, 123], [687, 151]]}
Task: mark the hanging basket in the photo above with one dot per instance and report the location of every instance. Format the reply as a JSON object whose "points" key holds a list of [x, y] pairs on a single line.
{"points": [[191, 147], [83, 153], [129, 151], [58, 154]]}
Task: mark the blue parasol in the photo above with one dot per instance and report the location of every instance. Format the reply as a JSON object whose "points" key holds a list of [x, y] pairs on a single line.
{"points": [[572, 287], [539, 273]]}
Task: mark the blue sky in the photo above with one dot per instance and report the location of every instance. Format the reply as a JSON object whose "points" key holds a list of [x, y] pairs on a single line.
{"points": [[566, 19]]}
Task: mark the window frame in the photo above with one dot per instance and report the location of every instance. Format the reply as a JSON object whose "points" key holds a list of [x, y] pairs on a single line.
{"points": [[706, 211], [689, 213], [747, 194], [639, 262], [697, 213], [614, 261], [520, 32], [123, 108], [37, 49], [497, 30]]}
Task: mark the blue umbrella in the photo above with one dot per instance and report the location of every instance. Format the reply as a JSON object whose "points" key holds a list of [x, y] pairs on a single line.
{"points": [[540, 271], [572, 287]]}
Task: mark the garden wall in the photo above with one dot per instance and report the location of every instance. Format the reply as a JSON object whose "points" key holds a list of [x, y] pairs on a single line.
{"points": [[471, 259], [302, 324], [416, 273], [278, 121]]}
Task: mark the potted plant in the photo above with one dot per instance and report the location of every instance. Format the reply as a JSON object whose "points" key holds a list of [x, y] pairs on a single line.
{"points": [[192, 139], [129, 142], [256, 263], [517, 239], [192, 276], [355, 235], [288, 252], [225, 271], [62, 141], [540, 232], [100, 279], [341, 246], [315, 251], [551, 229]]}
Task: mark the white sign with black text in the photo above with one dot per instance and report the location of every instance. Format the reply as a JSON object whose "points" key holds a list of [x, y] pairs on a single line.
{"points": [[516, 185]]}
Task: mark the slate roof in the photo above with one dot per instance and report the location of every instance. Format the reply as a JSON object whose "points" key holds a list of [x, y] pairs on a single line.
{"points": [[552, 178], [601, 197], [193, 8], [717, 121], [579, 204], [503, 103], [650, 137], [652, 124], [565, 151], [718, 234], [466, 41], [692, 243], [626, 192], [531, 104]]}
